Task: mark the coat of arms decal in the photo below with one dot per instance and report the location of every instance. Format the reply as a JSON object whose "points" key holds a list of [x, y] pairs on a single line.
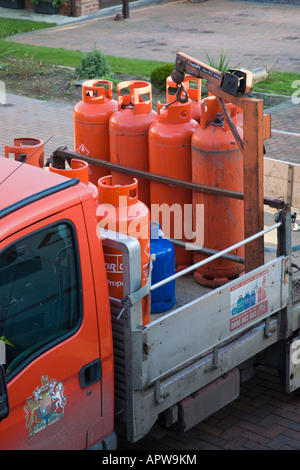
{"points": [[45, 406]]}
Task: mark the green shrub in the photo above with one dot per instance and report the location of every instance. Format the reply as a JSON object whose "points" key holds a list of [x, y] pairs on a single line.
{"points": [[160, 74], [93, 65], [222, 63]]}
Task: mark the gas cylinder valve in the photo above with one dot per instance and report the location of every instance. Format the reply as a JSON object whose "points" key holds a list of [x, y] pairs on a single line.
{"points": [[179, 98]]}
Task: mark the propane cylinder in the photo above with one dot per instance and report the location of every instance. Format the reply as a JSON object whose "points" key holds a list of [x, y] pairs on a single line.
{"points": [[90, 122], [27, 149], [192, 86], [128, 132], [218, 162], [170, 155], [120, 210], [162, 298], [239, 111], [79, 169]]}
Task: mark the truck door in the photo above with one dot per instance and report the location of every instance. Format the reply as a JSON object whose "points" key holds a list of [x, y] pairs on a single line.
{"points": [[49, 324]]}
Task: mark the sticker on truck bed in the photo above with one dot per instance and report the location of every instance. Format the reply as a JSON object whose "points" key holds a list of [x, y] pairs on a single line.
{"points": [[45, 406], [248, 300]]}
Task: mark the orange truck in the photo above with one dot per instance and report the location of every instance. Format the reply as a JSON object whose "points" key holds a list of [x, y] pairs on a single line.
{"points": [[76, 360]]}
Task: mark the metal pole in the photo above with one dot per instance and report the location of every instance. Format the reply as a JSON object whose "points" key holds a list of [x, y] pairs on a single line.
{"points": [[217, 255]]}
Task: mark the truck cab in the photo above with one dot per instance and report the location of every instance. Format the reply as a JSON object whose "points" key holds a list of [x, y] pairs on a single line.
{"points": [[54, 315]]}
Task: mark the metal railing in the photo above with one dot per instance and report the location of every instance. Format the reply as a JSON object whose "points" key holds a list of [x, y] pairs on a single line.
{"points": [[215, 256]]}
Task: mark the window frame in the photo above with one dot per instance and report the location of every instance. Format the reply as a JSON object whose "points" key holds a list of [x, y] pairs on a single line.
{"points": [[71, 333]]}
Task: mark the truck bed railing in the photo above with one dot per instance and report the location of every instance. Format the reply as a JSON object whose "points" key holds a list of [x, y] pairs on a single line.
{"points": [[215, 256]]}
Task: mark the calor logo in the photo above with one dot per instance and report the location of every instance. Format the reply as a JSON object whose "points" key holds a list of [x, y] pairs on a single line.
{"points": [[113, 263]]}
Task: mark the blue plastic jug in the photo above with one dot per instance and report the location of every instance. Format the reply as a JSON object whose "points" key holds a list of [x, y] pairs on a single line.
{"points": [[163, 298]]}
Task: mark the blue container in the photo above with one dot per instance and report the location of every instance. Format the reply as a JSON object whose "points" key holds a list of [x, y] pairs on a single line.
{"points": [[247, 301], [163, 298]]}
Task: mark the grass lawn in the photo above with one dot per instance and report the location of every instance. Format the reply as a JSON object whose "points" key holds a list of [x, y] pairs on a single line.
{"points": [[10, 26]]}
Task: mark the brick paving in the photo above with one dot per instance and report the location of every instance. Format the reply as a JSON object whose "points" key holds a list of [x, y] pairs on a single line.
{"points": [[29, 117], [263, 417]]}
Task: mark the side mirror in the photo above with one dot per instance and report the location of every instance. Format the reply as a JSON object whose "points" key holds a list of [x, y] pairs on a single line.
{"points": [[4, 407]]}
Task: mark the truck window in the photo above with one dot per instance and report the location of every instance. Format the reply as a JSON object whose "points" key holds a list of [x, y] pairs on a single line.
{"points": [[39, 293]]}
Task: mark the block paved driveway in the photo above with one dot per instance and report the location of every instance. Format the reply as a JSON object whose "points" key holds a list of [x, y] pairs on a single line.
{"points": [[263, 417], [258, 34]]}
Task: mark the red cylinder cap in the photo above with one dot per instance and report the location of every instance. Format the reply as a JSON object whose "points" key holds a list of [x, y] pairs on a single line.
{"points": [[79, 169], [94, 93], [136, 90], [117, 195]]}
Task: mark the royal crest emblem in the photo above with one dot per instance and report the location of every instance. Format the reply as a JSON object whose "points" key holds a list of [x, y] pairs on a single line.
{"points": [[45, 406]]}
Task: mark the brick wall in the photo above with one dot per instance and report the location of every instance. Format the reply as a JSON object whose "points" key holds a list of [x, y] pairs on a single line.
{"points": [[86, 7], [83, 7]]}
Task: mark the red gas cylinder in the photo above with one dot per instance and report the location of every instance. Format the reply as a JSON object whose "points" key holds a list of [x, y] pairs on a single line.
{"points": [[79, 169], [170, 155], [90, 122], [120, 210], [218, 162], [128, 132], [239, 111], [27, 149], [192, 86]]}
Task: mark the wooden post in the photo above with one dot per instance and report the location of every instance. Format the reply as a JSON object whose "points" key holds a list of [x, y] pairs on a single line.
{"points": [[126, 8], [253, 137]]}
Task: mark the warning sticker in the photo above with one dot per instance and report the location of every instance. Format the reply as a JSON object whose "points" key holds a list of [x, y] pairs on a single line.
{"points": [[248, 300], [83, 150]]}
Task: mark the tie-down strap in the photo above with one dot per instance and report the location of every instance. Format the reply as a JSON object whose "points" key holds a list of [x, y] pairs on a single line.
{"points": [[131, 299]]}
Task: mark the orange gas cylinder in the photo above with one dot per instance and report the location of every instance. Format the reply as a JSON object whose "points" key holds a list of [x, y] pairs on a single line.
{"points": [[170, 155], [90, 122], [128, 132], [27, 149], [218, 162], [120, 210], [192, 86], [239, 111], [79, 169]]}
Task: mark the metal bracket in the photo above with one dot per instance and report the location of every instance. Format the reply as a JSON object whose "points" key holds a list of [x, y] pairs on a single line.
{"points": [[215, 362], [268, 331], [157, 393]]}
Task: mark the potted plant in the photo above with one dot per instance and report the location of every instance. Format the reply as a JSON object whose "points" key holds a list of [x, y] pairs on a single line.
{"points": [[17, 4], [49, 7]]}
